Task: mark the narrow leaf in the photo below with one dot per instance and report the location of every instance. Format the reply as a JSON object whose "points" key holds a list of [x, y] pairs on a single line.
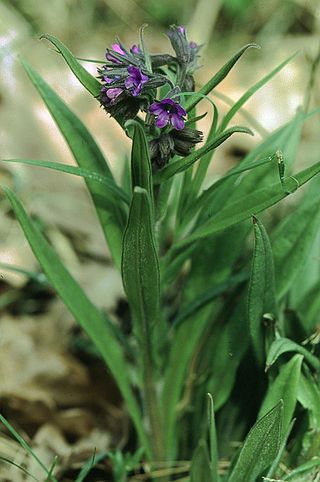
{"points": [[140, 266], [85, 78], [284, 345], [141, 171], [260, 447], [200, 466], [250, 204], [88, 156], [185, 162], [218, 77], [249, 93], [285, 388], [293, 239], [78, 171], [214, 456], [261, 295], [309, 397], [87, 315]]}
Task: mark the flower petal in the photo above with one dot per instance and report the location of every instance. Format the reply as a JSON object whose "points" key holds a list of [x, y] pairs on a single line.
{"points": [[118, 49], [155, 108], [162, 120], [177, 122], [180, 110], [113, 93]]}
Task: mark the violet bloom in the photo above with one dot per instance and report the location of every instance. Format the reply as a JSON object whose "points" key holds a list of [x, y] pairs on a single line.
{"points": [[167, 110], [116, 48], [135, 80], [135, 49]]}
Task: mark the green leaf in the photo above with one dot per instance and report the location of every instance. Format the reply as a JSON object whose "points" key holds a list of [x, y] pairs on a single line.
{"points": [[141, 171], [250, 204], [309, 397], [78, 171], [88, 156], [140, 266], [87, 315], [249, 93], [292, 240], [85, 78], [306, 467], [27, 448], [218, 77], [214, 456], [309, 307], [185, 162], [285, 388], [261, 295], [200, 466], [284, 345], [260, 447]]}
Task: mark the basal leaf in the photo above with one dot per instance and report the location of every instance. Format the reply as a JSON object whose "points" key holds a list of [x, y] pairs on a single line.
{"points": [[284, 345], [260, 447], [185, 162], [87, 80], [218, 77], [88, 156], [261, 295], [87, 315], [140, 266], [285, 388]]}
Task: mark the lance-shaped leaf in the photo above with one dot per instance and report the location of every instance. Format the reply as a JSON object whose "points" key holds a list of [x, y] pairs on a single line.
{"points": [[140, 266], [87, 315], [87, 80], [285, 388], [88, 156], [141, 171], [185, 162], [250, 204], [249, 93], [284, 345], [213, 440], [309, 397], [293, 239], [200, 466], [261, 295], [111, 186], [218, 77], [260, 447]]}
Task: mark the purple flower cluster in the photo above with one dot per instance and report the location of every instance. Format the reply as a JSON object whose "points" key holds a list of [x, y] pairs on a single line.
{"points": [[130, 79]]}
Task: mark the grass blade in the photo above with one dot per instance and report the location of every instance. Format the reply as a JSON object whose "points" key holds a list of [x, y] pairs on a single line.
{"points": [[27, 447], [87, 315], [214, 456]]}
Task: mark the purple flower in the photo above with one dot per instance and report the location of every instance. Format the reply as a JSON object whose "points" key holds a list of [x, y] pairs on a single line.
{"points": [[135, 80], [135, 49], [115, 48], [182, 29], [110, 94], [167, 110]]}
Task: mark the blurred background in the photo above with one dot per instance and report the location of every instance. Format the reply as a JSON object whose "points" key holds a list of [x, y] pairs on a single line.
{"points": [[48, 375]]}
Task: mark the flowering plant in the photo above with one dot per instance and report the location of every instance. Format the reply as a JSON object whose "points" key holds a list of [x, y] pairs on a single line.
{"points": [[202, 321]]}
